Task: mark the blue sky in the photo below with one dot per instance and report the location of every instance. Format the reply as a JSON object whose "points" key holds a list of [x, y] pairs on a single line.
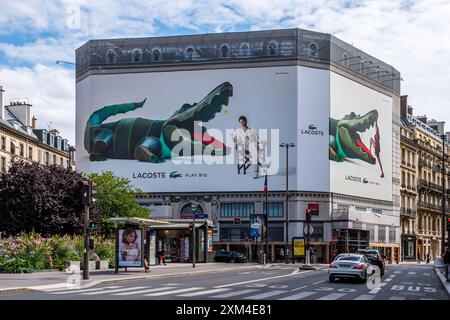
{"points": [[410, 35]]}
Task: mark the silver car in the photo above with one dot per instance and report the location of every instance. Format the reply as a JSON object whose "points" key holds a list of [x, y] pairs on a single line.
{"points": [[350, 265]]}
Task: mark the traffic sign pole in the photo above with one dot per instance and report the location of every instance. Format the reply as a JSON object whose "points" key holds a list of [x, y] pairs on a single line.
{"points": [[194, 209]]}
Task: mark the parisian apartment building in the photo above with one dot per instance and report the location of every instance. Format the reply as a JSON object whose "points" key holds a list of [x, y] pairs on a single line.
{"points": [[20, 138]]}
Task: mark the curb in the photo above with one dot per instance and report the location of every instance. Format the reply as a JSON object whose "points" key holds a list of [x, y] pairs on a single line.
{"points": [[445, 284], [92, 283]]}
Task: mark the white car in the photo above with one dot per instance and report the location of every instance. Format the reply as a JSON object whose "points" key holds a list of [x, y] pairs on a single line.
{"points": [[350, 265]]}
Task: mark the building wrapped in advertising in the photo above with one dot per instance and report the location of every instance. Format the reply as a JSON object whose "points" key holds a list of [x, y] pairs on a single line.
{"points": [[201, 117]]}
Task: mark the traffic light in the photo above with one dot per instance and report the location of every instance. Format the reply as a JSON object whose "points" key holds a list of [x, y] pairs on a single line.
{"points": [[308, 215], [92, 192], [85, 191], [448, 224], [91, 244], [92, 225]]}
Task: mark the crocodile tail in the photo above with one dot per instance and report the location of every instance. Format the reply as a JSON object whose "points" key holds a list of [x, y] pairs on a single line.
{"points": [[97, 118]]}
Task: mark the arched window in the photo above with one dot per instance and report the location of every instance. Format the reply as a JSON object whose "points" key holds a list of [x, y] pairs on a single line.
{"points": [[313, 49], [245, 50], [272, 49], [224, 51], [345, 59], [156, 55], [186, 211], [111, 56], [137, 56], [189, 54]]}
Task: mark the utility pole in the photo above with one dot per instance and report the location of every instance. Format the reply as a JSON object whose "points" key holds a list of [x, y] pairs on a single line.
{"points": [[266, 222], [194, 209], [86, 243], [287, 146]]}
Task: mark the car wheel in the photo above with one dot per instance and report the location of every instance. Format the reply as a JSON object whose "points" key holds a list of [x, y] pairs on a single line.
{"points": [[331, 279]]}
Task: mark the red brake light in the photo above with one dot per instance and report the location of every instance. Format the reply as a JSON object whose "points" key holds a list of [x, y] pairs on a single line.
{"points": [[333, 266], [359, 266]]}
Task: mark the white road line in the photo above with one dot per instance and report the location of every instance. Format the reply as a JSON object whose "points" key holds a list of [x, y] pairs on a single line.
{"points": [[247, 272], [426, 274], [332, 296], [201, 293], [411, 273], [319, 282], [266, 294], [111, 291], [398, 272], [392, 276], [171, 292], [388, 279], [375, 291], [142, 291], [382, 284], [235, 293], [83, 290], [298, 296], [396, 298], [365, 297], [299, 288], [293, 273]]}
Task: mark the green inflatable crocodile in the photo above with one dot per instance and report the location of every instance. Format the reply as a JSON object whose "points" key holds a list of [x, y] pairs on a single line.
{"points": [[151, 140], [345, 139]]}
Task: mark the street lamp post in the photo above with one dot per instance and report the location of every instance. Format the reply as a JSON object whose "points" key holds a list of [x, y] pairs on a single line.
{"points": [[194, 209], [287, 146]]}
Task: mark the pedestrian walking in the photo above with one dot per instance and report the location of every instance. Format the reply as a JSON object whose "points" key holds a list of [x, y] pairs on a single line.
{"points": [[446, 260], [428, 257]]}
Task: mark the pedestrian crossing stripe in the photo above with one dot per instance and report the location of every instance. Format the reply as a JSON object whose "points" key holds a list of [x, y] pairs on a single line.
{"points": [[142, 291], [157, 294], [83, 290], [112, 291]]}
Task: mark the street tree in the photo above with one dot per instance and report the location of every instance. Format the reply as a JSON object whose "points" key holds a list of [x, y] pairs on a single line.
{"points": [[115, 198], [45, 199]]}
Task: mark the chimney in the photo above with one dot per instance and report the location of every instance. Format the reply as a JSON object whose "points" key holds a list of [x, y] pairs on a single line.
{"points": [[21, 111], [422, 119], [403, 105], [2, 113], [410, 110], [33, 122]]}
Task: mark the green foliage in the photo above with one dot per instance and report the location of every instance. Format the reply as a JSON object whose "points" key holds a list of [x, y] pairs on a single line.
{"points": [[104, 248], [62, 251], [115, 197], [16, 265]]}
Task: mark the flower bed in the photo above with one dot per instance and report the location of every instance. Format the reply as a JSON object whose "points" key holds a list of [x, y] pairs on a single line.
{"points": [[32, 252]]}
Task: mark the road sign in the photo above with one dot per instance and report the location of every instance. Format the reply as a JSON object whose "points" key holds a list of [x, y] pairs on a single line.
{"points": [[299, 246], [194, 206], [305, 229], [201, 216]]}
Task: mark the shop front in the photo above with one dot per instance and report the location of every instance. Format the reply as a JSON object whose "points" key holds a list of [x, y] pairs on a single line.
{"points": [[408, 247], [348, 241]]}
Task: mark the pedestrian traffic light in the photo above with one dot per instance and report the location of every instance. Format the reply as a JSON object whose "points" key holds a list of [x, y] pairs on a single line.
{"points": [[92, 225], [84, 190], [92, 192], [91, 243], [308, 215], [448, 224]]}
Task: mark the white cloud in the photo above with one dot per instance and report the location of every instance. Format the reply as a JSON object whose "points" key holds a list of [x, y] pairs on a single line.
{"points": [[50, 90], [409, 35]]}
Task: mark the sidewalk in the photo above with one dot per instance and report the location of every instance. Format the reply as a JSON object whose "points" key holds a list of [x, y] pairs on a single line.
{"points": [[440, 272], [22, 282]]}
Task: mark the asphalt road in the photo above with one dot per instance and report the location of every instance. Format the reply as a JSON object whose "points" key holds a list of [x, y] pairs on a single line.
{"points": [[279, 282]]}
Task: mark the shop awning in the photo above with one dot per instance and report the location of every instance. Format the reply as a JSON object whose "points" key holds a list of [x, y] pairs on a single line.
{"points": [[161, 224]]}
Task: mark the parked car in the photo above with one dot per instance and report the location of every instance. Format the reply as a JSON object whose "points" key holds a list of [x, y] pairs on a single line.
{"points": [[350, 265], [229, 256], [374, 258]]}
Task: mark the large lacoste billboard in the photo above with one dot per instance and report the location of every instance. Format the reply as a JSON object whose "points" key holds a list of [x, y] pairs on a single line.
{"points": [[360, 146], [208, 130]]}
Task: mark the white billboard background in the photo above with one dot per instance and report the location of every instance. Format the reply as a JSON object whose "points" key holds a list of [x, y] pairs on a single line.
{"points": [[347, 177], [266, 96]]}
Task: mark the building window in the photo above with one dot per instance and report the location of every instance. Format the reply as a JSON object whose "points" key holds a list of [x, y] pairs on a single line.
{"points": [[234, 233], [137, 56], [61, 161], [13, 148], [361, 209], [3, 164], [54, 159], [224, 50], [47, 158], [345, 59], [30, 153], [39, 156], [272, 49], [111, 57], [3, 143], [343, 207], [67, 164], [313, 49], [391, 235], [21, 149], [377, 211], [245, 50], [156, 55], [189, 54], [317, 234], [381, 234], [240, 209], [371, 229], [276, 209]]}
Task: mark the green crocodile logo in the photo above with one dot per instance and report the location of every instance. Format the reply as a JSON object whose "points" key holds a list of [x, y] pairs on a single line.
{"points": [[365, 180], [312, 127], [174, 175]]}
